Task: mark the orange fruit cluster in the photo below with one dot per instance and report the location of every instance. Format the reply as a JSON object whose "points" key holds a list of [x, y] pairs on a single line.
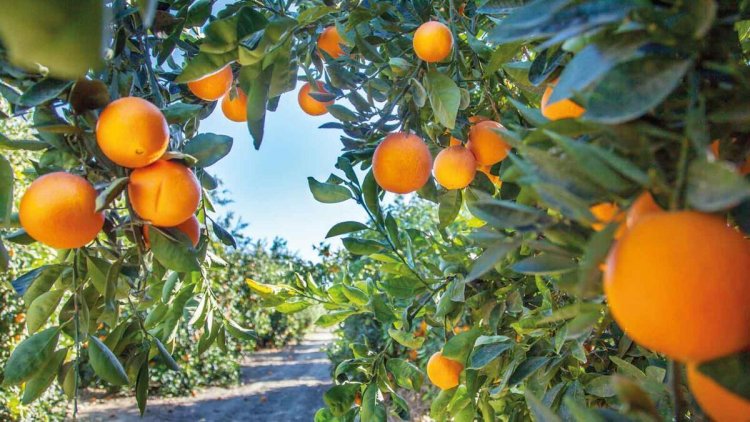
{"points": [[217, 86]]}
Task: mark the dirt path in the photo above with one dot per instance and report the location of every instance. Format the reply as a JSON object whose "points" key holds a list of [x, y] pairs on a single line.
{"points": [[285, 385]]}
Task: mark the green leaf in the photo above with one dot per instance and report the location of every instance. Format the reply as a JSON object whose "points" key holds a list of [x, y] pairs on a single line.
{"points": [[526, 369], [340, 398], [45, 90], [141, 387], [342, 113], [506, 214], [238, 332], [545, 264], [460, 346], [224, 236], [105, 363], [180, 112], [445, 97], [204, 64], [173, 254], [6, 191], [449, 206], [361, 246], [731, 372], [487, 349], [256, 82], [715, 186], [39, 383], [208, 148], [406, 339], [166, 356], [346, 227], [30, 355], [41, 309], [407, 375], [538, 409], [372, 410], [633, 88], [67, 50], [487, 260], [37, 281], [332, 318], [328, 193], [110, 193], [601, 386]]}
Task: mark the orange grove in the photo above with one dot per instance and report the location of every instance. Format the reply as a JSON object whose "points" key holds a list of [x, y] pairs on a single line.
{"points": [[487, 145], [191, 227], [454, 167], [676, 283], [401, 163], [716, 401], [330, 41], [235, 109], [58, 210], [166, 193], [132, 132], [213, 86], [433, 42], [443, 372], [310, 105]]}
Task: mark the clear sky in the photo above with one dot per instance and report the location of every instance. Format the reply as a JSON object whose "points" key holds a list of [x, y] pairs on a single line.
{"points": [[269, 186]]}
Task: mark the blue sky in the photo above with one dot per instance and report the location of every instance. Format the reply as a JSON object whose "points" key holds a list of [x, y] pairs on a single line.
{"points": [[269, 186]]}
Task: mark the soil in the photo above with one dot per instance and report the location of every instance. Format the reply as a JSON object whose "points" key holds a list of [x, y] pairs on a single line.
{"points": [[276, 385]]}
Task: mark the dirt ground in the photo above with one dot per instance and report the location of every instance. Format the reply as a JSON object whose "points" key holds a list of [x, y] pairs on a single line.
{"points": [[281, 385]]}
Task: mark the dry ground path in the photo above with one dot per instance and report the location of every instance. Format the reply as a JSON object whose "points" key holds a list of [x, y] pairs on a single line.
{"points": [[277, 385]]}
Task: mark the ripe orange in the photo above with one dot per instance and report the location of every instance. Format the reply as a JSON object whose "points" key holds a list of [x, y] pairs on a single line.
{"points": [[358, 399], [443, 372], [421, 330], [413, 355], [715, 148], [641, 207], [401, 163], [330, 41], [454, 142], [605, 213], [677, 283], [486, 170], [191, 227], [165, 193], [488, 146], [132, 132], [433, 42], [58, 210], [309, 104], [235, 109], [563, 109], [455, 167], [213, 86], [717, 402], [460, 329]]}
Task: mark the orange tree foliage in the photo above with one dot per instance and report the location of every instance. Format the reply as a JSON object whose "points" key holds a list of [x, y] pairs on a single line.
{"points": [[508, 276]]}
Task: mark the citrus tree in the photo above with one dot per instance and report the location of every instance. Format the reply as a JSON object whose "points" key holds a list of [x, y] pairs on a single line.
{"points": [[584, 160]]}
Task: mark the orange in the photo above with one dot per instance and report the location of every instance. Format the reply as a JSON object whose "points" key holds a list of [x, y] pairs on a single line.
{"points": [[358, 398], [165, 193], [486, 170], [433, 42], [330, 41], [488, 146], [401, 163], [213, 86], [716, 401], [745, 167], [455, 167], [309, 104], [563, 109], [641, 207], [422, 330], [460, 329], [191, 227], [454, 141], [477, 119], [58, 210], [715, 148], [235, 109], [132, 132], [413, 355], [443, 372], [678, 283], [605, 213]]}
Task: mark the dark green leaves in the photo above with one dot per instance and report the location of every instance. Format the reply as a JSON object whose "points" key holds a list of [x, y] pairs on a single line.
{"points": [[43, 91], [174, 254], [328, 193], [633, 88], [208, 148], [110, 193], [39, 383], [340, 398], [29, 356], [506, 214], [372, 410], [6, 191], [487, 349], [346, 227], [715, 186], [444, 97], [406, 339], [105, 363], [41, 32], [407, 374]]}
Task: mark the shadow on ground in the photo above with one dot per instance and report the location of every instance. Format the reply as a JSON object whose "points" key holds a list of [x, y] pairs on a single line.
{"points": [[285, 385]]}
